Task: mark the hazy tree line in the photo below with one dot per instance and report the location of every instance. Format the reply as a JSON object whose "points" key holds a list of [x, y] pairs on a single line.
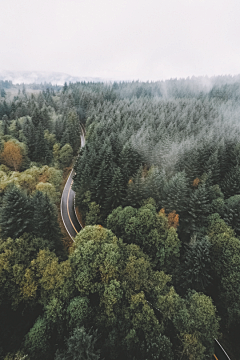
{"points": [[160, 171]]}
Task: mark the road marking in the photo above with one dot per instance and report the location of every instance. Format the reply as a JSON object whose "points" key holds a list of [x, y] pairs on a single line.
{"points": [[68, 210], [215, 356]]}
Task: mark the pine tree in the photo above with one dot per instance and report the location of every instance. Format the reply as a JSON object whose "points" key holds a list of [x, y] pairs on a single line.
{"points": [[232, 213], [46, 120], [36, 117], [176, 194], [40, 149], [30, 135], [198, 210], [18, 128], [212, 167], [196, 272], [16, 213], [45, 223], [135, 190], [65, 87], [230, 185], [116, 193]]}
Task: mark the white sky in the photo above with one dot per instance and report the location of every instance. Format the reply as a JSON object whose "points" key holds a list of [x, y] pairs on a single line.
{"points": [[121, 39]]}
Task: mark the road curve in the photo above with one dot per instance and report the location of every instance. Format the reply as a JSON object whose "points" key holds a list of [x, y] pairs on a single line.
{"points": [[68, 213]]}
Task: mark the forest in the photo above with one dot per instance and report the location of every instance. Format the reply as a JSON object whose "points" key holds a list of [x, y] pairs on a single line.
{"points": [[155, 272]]}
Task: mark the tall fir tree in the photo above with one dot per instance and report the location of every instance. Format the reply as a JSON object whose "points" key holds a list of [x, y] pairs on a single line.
{"points": [[16, 213], [45, 223]]}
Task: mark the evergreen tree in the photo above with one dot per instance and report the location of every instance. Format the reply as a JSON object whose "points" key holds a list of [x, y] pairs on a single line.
{"points": [[30, 135], [135, 190], [231, 214], [45, 119], [230, 185], [65, 87], [198, 210], [116, 192], [176, 194], [40, 149], [16, 213], [36, 117], [45, 223], [196, 269], [80, 346], [18, 128]]}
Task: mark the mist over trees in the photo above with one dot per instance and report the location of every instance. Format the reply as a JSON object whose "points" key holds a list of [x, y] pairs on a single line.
{"points": [[155, 273]]}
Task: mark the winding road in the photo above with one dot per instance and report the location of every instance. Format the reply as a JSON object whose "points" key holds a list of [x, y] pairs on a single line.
{"points": [[73, 227], [68, 212]]}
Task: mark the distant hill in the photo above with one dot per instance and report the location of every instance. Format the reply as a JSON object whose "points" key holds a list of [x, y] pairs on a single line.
{"points": [[38, 77]]}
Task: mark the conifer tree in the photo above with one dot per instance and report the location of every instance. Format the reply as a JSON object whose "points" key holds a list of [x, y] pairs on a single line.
{"points": [[135, 190], [230, 185], [36, 116], [231, 213], [45, 223], [176, 194], [16, 213], [116, 192], [40, 150], [196, 271], [30, 135], [198, 210]]}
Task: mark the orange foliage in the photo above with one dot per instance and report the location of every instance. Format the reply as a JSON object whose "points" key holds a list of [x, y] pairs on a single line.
{"points": [[173, 219], [196, 182], [162, 212], [11, 155]]}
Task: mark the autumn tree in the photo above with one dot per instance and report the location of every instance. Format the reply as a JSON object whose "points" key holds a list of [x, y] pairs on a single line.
{"points": [[12, 155]]}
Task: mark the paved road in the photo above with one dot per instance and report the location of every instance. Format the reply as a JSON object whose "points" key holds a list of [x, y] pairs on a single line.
{"points": [[68, 214], [220, 353]]}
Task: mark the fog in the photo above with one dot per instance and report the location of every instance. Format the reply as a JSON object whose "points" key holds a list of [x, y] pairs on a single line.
{"points": [[144, 39]]}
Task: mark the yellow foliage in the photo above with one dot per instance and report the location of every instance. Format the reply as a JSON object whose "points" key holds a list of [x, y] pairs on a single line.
{"points": [[11, 155], [162, 212]]}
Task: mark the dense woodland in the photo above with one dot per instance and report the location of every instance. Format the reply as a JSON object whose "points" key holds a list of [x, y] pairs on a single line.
{"points": [[155, 273]]}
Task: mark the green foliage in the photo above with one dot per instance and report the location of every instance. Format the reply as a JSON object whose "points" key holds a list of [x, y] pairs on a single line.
{"points": [[65, 156], [196, 269], [36, 342], [118, 280], [80, 346], [225, 255], [17, 313], [198, 210], [231, 213], [93, 214], [149, 230], [78, 312], [16, 215], [172, 141], [45, 220], [48, 278]]}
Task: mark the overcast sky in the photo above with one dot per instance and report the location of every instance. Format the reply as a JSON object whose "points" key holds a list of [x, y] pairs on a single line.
{"points": [[121, 39]]}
